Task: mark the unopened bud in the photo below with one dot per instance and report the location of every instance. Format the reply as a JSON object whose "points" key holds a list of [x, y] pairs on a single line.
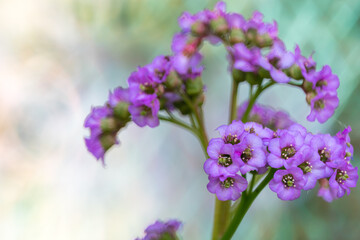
{"points": [[108, 125], [194, 86], [308, 86], [182, 107], [198, 29], [263, 40], [219, 26], [310, 96], [121, 111], [236, 36], [251, 35], [295, 72], [173, 80], [107, 141], [238, 75]]}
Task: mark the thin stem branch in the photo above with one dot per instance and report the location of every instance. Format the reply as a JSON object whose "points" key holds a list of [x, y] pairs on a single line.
{"points": [[233, 100]]}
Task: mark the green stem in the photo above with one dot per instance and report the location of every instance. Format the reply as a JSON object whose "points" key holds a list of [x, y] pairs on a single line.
{"points": [[245, 205], [252, 183], [233, 100], [253, 100]]}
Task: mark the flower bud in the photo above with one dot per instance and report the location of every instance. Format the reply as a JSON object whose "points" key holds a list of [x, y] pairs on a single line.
{"points": [[219, 26], [173, 81], [236, 36], [121, 111], [310, 96], [263, 40], [238, 75], [107, 141], [194, 86], [199, 29], [263, 73], [252, 78], [307, 86], [251, 35], [295, 72], [108, 125]]}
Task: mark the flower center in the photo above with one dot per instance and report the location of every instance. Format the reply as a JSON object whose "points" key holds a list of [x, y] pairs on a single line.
{"points": [[246, 155], [306, 167], [288, 152], [288, 181], [319, 104], [321, 83], [341, 176], [146, 111], [147, 88], [229, 182], [324, 155], [159, 74], [232, 139], [225, 160]]}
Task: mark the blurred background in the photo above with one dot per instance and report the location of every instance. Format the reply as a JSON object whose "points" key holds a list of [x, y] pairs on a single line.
{"points": [[60, 57]]}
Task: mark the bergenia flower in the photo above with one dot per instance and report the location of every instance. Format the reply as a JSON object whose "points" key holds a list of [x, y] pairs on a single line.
{"points": [[231, 133], [223, 161], [327, 193], [323, 107], [324, 80], [162, 230], [343, 178], [313, 169], [285, 150], [227, 187], [252, 154], [145, 111], [331, 153], [288, 183]]}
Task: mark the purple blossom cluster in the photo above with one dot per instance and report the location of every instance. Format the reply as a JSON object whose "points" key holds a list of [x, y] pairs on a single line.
{"points": [[162, 231], [267, 116], [257, 52], [153, 87], [104, 122], [301, 159]]}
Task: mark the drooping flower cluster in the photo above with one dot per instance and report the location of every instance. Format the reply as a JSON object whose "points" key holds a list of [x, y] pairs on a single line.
{"points": [[154, 87], [266, 116], [255, 53], [162, 231], [301, 159]]}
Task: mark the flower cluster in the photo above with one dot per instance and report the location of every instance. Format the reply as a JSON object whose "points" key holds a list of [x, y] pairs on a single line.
{"points": [[300, 158], [153, 87], [104, 122], [255, 53], [266, 116], [162, 231]]}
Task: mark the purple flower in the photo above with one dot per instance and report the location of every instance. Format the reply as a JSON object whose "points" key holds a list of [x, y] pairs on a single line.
{"points": [[343, 138], [324, 80], [323, 107], [162, 230], [235, 21], [144, 111], [257, 129], [251, 150], [160, 68], [284, 150], [142, 84], [231, 133], [119, 95], [330, 152], [288, 183], [94, 119], [325, 191], [227, 188], [223, 161], [95, 147], [312, 167], [248, 60], [344, 178], [306, 65], [256, 22], [266, 116]]}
